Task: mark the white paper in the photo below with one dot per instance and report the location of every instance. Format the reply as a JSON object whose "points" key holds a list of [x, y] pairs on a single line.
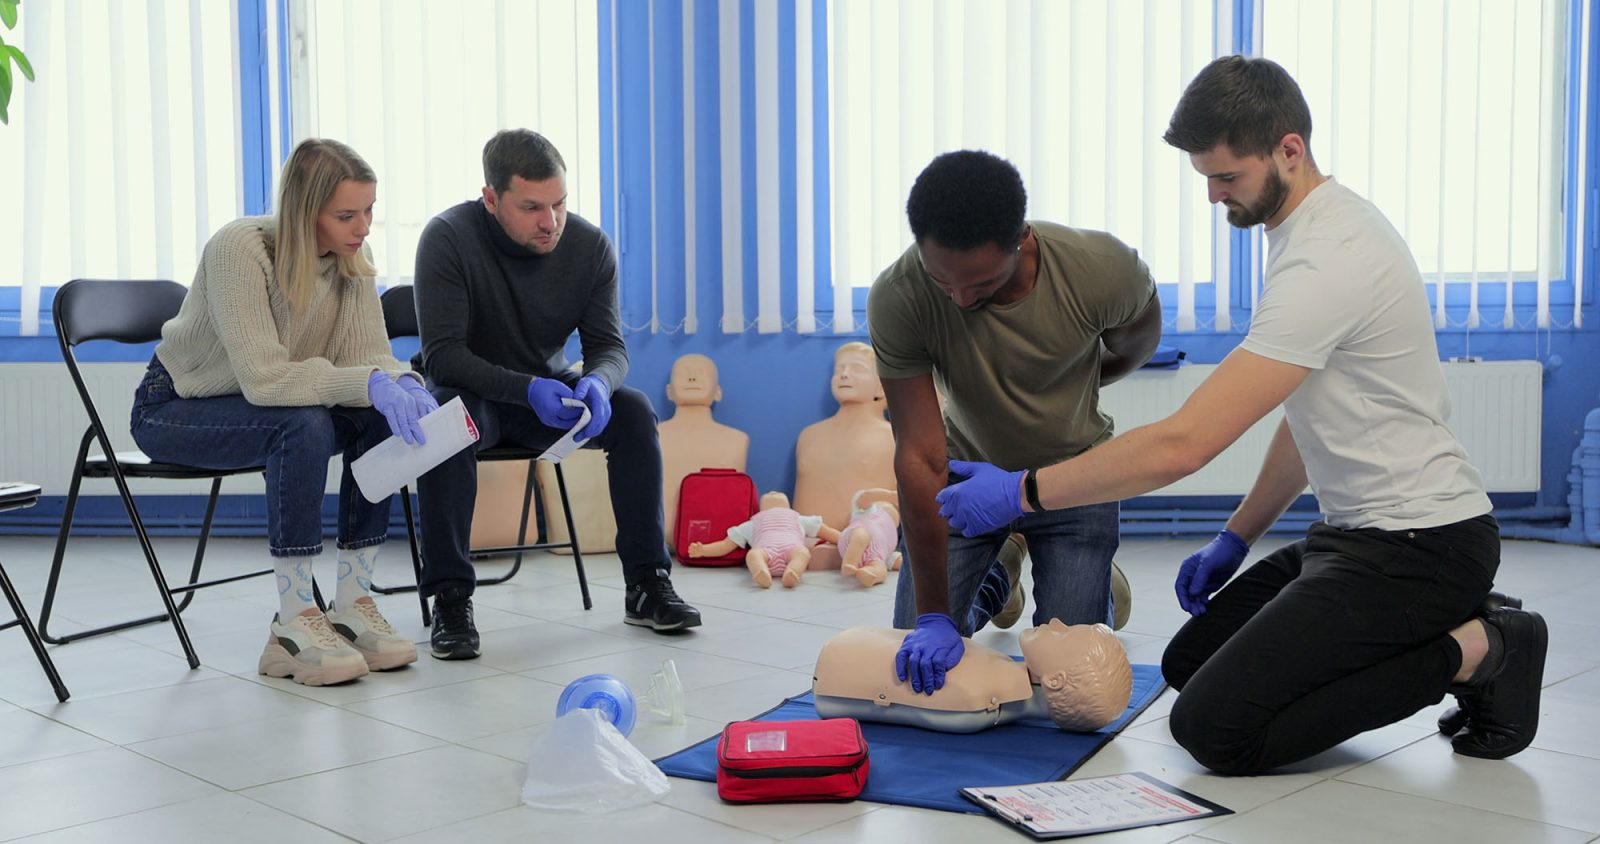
{"points": [[569, 442], [392, 464], [1098, 804]]}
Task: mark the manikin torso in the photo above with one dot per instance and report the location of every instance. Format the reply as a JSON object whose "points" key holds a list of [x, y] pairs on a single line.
{"points": [[851, 450], [691, 440], [1078, 676]]}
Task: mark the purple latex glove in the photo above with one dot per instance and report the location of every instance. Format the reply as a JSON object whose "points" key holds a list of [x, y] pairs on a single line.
{"points": [[397, 406], [593, 391], [545, 395], [426, 403], [929, 651], [1206, 570], [989, 499]]}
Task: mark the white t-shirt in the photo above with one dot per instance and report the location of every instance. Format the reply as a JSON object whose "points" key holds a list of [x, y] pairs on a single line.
{"points": [[1343, 297]]}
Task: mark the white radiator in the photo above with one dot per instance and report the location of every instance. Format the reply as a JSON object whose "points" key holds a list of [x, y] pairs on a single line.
{"points": [[42, 420], [1495, 409]]}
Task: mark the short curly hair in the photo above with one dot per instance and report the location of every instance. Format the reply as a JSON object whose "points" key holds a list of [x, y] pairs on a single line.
{"points": [[965, 199]]}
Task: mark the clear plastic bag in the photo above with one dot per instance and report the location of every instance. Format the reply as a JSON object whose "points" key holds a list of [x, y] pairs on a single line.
{"points": [[583, 764]]}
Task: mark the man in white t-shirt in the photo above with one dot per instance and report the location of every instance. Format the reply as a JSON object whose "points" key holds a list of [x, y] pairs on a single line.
{"points": [[1385, 606]]}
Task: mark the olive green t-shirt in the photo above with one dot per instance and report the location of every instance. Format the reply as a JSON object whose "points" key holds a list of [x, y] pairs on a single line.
{"points": [[1021, 381]]}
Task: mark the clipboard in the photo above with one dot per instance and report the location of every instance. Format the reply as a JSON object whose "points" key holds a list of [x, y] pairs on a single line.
{"points": [[1070, 808]]}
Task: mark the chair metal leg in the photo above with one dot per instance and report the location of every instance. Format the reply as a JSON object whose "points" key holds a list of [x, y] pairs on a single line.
{"points": [[174, 610], [416, 556], [416, 562], [522, 545], [572, 536], [33, 636]]}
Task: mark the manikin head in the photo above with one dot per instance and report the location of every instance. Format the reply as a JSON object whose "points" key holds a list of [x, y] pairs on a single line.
{"points": [[855, 375], [1084, 671], [774, 500], [694, 382]]}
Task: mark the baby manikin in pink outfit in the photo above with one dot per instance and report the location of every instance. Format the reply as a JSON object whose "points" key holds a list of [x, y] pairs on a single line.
{"points": [[868, 542], [778, 541]]}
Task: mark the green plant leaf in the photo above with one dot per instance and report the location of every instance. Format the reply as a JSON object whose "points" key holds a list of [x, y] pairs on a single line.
{"points": [[8, 13], [22, 63], [5, 90]]}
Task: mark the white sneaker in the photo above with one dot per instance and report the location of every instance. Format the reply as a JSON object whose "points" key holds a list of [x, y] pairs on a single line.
{"points": [[372, 636], [309, 652]]}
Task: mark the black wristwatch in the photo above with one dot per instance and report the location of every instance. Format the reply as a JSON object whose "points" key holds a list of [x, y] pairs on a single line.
{"points": [[1030, 488]]}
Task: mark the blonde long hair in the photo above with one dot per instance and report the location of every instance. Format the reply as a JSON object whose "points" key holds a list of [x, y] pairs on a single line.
{"points": [[310, 176]]}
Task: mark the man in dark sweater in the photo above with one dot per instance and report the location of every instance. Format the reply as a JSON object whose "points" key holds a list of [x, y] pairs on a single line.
{"points": [[501, 283]]}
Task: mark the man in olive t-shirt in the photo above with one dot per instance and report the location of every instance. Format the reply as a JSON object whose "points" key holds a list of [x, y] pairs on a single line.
{"points": [[1018, 324]]}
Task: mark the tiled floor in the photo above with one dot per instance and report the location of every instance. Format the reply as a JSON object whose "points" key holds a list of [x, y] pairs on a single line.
{"points": [[148, 750]]}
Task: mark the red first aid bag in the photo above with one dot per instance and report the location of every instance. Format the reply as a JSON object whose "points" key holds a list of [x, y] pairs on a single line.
{"points": [[709, 502], [788, 761]]}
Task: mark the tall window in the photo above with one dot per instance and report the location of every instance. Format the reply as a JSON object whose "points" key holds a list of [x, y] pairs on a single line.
{"points": [[122, 157], [1451, 117], [1076, 95], [418, 87]]}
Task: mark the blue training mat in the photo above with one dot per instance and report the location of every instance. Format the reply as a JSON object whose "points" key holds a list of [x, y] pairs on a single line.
{"points": [[927, 769]]}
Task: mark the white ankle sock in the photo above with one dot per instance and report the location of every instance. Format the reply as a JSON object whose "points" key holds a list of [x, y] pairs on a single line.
{"points": [[295, 594], [355, 575]]}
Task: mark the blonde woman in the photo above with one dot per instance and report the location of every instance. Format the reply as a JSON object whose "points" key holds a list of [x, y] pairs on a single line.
{"points": [[279, 357]]}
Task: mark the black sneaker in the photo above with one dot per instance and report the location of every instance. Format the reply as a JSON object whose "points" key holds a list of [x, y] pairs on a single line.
{"points": [[653, 603], [454, 636], [1455, 719], [1503, 708]]}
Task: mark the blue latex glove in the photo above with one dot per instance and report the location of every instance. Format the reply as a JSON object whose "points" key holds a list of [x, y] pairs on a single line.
{"points": [[1206, 570], [545, 395], [397, 406], [426, 403], [593, 391], [929, 651], [989, 499]]}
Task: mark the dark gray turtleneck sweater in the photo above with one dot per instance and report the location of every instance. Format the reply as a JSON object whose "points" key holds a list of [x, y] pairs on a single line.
{"points": [[494, 313]]}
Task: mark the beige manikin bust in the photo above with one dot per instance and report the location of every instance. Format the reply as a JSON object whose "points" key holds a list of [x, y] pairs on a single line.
{"points": [[1077, 676], [850, 450], [691, 440]]}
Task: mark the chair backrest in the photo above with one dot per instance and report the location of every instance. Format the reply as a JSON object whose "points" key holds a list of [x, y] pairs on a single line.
{"points": [[125, 311], [400, 311]]}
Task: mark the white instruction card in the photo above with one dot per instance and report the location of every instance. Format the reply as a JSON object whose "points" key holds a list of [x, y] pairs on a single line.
{"points": [[392, 464], [1070, 808], [569, 442]]}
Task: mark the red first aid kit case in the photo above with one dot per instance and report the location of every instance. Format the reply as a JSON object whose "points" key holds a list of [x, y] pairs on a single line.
{"points": [[787, 761], [709, 502]]}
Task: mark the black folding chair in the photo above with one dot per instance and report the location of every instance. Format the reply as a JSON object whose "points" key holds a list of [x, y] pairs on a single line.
{"points": [[15, 496], [126, 312], [400, 314]]}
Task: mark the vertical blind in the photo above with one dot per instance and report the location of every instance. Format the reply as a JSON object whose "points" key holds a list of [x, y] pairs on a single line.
{"points": [[417, 88], [1450, 115], [111, 187], [720, 177], [1076, 95]]}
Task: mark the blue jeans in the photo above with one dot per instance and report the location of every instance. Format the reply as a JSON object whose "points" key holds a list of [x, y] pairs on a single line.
{"points": [[1071, 552], [448, 493], [294, 443]]}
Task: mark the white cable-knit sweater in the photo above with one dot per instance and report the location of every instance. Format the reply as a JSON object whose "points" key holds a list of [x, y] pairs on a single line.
{"points": [[235, 333]]}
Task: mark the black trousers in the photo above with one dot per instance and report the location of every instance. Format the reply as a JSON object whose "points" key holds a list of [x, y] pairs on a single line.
{"points": [[447, 493], [1339, 633]]}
